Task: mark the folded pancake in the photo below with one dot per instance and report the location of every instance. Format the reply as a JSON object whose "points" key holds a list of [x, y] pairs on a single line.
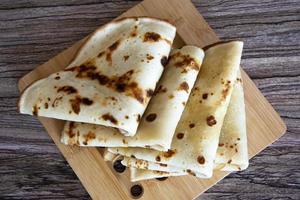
{"points": [[161, 117], [111, 79], [197, 135], [144, 174], [139, 174], [232, 152]]}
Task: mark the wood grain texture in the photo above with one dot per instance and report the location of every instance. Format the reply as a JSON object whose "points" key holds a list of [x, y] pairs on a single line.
{"points": [[32, 32]]}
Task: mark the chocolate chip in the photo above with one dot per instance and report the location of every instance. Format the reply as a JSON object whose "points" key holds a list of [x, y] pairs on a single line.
{"points": [[119, 167], [136, 191], [162, 178]]}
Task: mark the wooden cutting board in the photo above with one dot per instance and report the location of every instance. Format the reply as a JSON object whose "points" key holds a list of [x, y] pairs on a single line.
{"points": [[264, 126]]}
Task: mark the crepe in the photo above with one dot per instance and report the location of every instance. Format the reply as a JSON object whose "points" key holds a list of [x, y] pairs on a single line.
{"points": [[197, 135], [232, 153], [159, 122], [143, 174], [139, 174], [111, 79]]}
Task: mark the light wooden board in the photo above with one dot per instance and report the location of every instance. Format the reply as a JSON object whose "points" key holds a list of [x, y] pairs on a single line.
{"points": [[264, 125]]}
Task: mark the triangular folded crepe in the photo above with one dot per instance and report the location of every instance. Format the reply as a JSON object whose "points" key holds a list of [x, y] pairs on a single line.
{"points": [[197, 135], [111, 79], [161, 116]]}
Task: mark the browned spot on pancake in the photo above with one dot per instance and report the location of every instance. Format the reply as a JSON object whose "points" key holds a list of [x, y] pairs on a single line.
{"points": [[157, 158], [46, 105], [114, 46], [57, 78], [109, 117], [133, 34], [210, 120], [108, 57], [70, 131], [111, 49], [171, 96], [180, 136], [67, 89], [56, 100], [89, 136], [48, 99], [149, 92], [160, 89], [191, 125], [86, 101], [211, 93], [164, 61], [239, 80], [151, 117], [137, 92], [126, 57], [124, 141], [151, 37], [132, 156], [186, 62], [226, 90], [138, 119], [222, 154], [149, 57], [200, 101], [35, 110], [204, 96], [236, 150], [201, 160], [183, 103], [75, 103], [101, 54], [190, 172], [231, 146], [126, 117], [184, 86], [239, 168], [122, 84], [163, 165], [169, 153], [229, 161], [221, 144]]}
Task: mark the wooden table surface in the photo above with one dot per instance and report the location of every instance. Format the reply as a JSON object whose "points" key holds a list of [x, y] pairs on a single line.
{"points": [[32, 31]]}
